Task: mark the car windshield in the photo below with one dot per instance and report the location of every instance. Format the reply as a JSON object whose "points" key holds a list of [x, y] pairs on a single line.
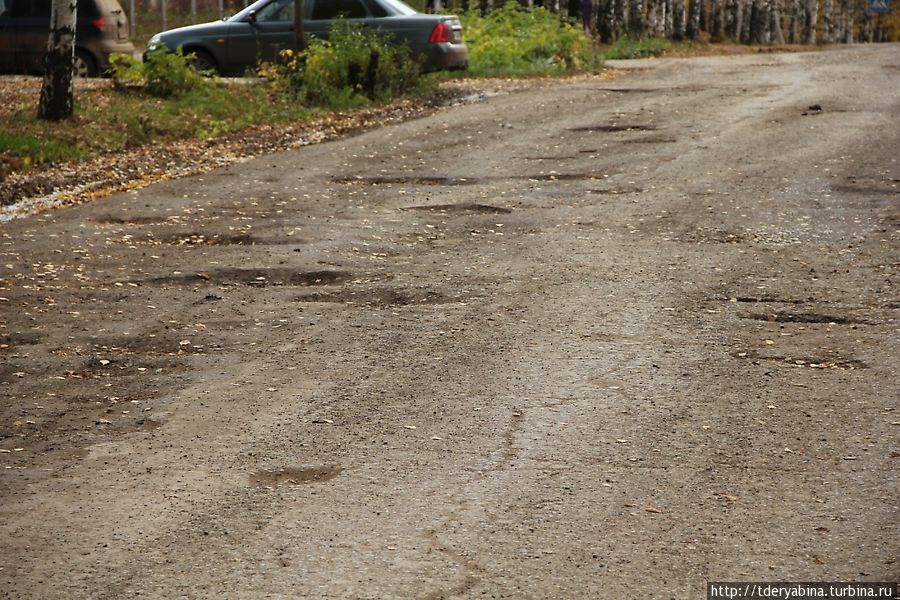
{"points": [[255, 7]]}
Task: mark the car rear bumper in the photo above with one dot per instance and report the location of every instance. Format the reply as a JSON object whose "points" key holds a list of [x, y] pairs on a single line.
{"points": [[446, 57], [105, 48]]}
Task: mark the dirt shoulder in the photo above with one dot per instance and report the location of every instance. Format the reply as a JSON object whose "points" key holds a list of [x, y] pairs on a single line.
{"points": [[594, 339]]}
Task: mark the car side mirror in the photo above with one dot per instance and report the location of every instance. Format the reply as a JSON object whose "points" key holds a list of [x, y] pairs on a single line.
{"points": [[251, 17]]}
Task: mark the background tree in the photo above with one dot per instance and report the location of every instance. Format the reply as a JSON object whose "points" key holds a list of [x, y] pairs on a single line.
{"points": [[811, 16], [57, 94], [299, 33], [695, 7]]}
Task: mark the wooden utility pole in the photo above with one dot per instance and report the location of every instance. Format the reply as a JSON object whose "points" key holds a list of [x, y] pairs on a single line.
{"points": [[57, 93]]}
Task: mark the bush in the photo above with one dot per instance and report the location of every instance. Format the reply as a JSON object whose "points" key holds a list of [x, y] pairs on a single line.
{"points": [[164, 75], [351, 67], [518, 40]]}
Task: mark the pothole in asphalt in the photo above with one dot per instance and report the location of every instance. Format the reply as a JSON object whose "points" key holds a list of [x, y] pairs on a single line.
{"points": [[772, 299], [866, 190], [20, 338], [131, 220], [463, 207], [804, 318], [199, 239], [402, 180], [811, 362], [614, 127], [562, 177], [704, 235], [630, 90], [617, 191], [168, 344], [295, 476], [651, 140], [379, 297], [255, 277]]}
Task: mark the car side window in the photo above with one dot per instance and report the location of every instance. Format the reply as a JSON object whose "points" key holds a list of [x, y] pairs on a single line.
{"points": [[279, 10], [332, 9]]}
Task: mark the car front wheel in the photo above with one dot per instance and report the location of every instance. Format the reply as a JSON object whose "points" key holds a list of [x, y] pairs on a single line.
{"points": [[202, 61]]}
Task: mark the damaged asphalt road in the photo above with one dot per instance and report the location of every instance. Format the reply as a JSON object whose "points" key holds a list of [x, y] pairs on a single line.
{"points": [[606, 339]]}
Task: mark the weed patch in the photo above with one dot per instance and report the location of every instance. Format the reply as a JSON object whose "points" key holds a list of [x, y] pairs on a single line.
{"points": [[516, 40]]}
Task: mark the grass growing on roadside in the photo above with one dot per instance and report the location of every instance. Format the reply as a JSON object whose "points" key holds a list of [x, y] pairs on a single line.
{"points": [[514, 40], [627, 47], [108, 120]]}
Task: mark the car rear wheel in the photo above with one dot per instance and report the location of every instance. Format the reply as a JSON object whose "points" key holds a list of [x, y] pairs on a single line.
{"points": [[83, 64], [203, 61]]}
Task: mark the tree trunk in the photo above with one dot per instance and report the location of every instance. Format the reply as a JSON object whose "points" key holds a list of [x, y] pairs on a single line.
{"points": [[651, 18], [636, 18], [828, 22], [811, 16], [606, 21], [794, 24], [299, 29], [693, 20], [57, 94], [718, 21], [775, 9], [746, 21], [621, 16], [733, 19], [760, 33], [678, 25], [668, 22]]}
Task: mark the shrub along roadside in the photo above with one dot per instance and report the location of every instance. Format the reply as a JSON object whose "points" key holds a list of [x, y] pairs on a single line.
{"points": [[352, 67], [514, 40]]}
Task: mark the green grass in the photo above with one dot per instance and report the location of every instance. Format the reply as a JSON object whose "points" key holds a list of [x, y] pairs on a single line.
{"points": [[627, 47], [513, 40], [111, 120]]}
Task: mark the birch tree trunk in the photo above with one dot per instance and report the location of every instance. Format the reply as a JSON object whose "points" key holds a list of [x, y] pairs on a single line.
{"points": [[760, 22], [606, 21], [693, 19], [678, 21], [57, 94], [828, 22], [636, 18], [776, 34], [621, 17], [718, 21], [811, 16], [651, 23], [847, 36], [746, 21], [794, 24], [733, 19], [668, 23]]}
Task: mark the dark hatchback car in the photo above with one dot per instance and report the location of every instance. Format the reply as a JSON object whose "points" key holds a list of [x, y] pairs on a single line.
{"points": [[102, 28], [262, 30]]}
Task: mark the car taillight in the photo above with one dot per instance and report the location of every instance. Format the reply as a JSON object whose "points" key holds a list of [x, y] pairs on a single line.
{"points": [[99, 23], [440, 34]]}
